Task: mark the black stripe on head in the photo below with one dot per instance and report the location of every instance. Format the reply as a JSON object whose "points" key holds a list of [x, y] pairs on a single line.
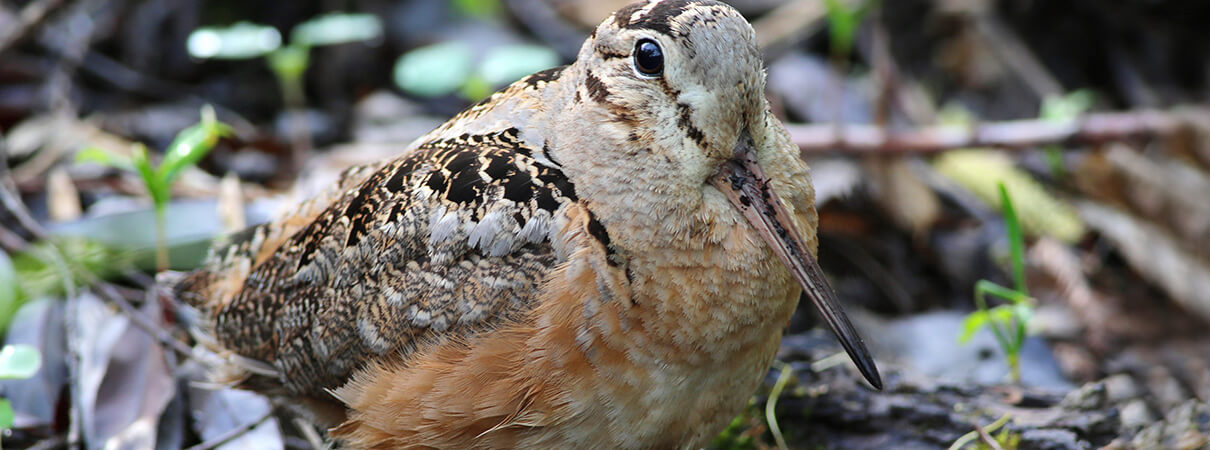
{"points": [[544, 76], [685, 121], [596, 88], [659, 18]]}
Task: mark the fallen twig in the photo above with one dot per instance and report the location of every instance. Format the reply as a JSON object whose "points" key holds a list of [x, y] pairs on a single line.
{"points": [[1013, 134], [31, 16], [107, 292], [980, 433], [987, 438], [232, 433]]}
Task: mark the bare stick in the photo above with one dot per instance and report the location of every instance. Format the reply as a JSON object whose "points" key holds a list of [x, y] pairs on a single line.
{"points": [[107, 292], [32, 15], [232, 433], [1014, 134], [987, 438]]}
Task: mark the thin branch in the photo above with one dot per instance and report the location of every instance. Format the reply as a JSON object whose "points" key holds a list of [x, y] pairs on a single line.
{"points": [[107, 292], [51, 443], [24, 227], [31, 16], [987, 438], [979, 432], [1014, 134], [232, 433]]}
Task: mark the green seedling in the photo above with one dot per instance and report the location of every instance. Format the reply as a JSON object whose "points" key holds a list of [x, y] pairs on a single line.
{"points": [[17, 362], [483, 9], [189, 146], [51, 268], [783, 377], [288, 62], [463, 68], [844, 18], [1063, 109], [1005, 438], [1007, 321], [451, 67]]}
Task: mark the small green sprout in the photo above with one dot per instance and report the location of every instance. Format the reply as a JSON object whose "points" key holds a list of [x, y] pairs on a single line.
{"points": [[484, 9], [17, 362], [783, 377], [1007, 321], [451, 67], [843, 22], [1063, 109], [288, 63], [1004, 438], [189, 146]]}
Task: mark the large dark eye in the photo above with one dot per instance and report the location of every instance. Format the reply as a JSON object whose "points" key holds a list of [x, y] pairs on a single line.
{"points": [[648, 58]]}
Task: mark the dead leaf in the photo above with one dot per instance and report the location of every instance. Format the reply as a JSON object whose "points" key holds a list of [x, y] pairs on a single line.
{"points": [[980, 171], [901, 193], [231, 204], [218, 412], [1155, 255], [833, 178], [125, 381], [62, 197], [39, 323]]}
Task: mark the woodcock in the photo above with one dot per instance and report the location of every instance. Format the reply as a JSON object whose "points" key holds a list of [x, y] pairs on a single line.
{"points": [[600, 255]]}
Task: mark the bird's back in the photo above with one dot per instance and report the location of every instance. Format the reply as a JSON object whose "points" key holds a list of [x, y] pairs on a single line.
{"points": [[447, 240]]}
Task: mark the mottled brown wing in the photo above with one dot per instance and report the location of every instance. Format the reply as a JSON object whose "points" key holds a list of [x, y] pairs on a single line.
{"points": [[448, 240]]}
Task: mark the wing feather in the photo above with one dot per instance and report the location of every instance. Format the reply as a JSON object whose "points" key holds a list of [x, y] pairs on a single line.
{"points": [[443, 242]]}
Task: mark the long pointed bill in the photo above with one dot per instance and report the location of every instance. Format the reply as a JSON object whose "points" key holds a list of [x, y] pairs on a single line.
{"points": [[744, 182]]}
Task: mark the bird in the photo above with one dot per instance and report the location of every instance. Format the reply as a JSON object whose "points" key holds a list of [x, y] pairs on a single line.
{"points": [[600, 255]]}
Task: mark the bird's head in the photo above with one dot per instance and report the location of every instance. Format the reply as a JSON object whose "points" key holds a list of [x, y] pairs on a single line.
{"points": [[674, 93]]}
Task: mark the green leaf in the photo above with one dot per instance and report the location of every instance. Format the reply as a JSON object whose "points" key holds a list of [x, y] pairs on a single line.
{"points": [[842, 24], [1016, 243], [289, 62], [6, 414], [1062, 108], [104, 157], [508, 63], [972, 324], [10, 294], [336, 28], [243, 40], [1001, 315], [48, 266], [19, 361], [190, 145], [434, 70], [151, 180], [475, 88], [485, 9]]}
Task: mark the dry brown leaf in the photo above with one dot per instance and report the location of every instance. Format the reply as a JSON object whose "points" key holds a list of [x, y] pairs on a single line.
{"points": [[900, 192], [231, 204], [1058, 261], [1156, 255], [125, 381], [1166, 190], [62, 197]]}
